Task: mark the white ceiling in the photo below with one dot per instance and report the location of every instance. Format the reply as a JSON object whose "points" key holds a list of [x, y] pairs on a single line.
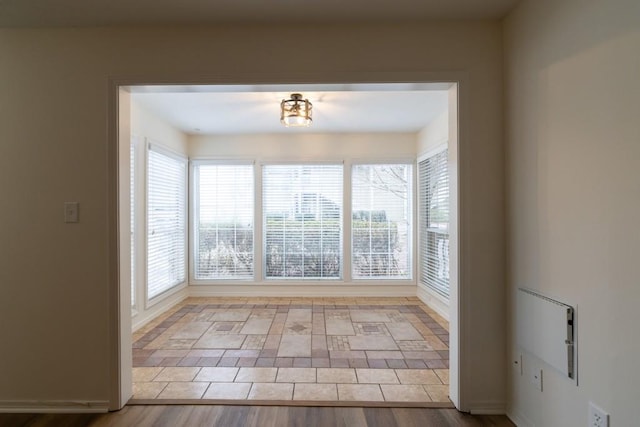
{"points": [[239, 110], [40, 13]]}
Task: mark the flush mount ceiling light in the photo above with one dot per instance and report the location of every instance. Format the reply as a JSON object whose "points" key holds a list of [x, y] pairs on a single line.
{"points": [[296, 111]]}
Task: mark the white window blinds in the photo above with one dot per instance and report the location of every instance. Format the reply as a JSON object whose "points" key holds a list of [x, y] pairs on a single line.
{"points": [[434, 222], [381, 221], [224, 221], [302, 214], [166, 221]]}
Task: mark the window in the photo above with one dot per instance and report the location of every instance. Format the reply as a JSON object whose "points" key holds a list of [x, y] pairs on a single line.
{"points": [[381, 221], [302, 214], [132, 193], [166, 221], [434, 222], [224, 221]]}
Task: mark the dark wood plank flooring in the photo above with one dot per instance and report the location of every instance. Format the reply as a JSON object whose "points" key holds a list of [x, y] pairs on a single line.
{"points": [[258, 416]]}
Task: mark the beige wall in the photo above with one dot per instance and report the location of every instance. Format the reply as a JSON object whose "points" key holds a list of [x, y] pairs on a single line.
{"points": [[54, 314], [573, 179]]}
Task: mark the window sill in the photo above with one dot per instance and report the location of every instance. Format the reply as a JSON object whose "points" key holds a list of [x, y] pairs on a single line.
{"points": [[315, 283]]}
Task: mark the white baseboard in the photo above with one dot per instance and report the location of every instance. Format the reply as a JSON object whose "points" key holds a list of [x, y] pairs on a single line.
{"points": [[54, 406], [433, 300], [265, 290], [302, 291], [518, 419], [144, 317], [488, 408]]}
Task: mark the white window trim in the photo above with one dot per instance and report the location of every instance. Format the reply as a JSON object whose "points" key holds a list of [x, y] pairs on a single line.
{"points": [[288, 162], [133, 194], [296, 280], [193, 214], [412, 221], [346, 279], [437, 149], [386, 161]]}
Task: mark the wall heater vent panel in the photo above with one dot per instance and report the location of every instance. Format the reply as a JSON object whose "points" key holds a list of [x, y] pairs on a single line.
{"points": [[546, 329]]}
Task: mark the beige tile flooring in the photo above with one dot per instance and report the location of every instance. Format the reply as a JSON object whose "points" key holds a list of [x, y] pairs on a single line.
{"points": [[294, 349]]}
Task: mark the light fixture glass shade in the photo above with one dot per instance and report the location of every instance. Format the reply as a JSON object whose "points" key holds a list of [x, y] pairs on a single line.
{"points": [[296, 111]]}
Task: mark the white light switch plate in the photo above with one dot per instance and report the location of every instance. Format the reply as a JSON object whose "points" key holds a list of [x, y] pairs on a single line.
{"points": [[71, 212]]}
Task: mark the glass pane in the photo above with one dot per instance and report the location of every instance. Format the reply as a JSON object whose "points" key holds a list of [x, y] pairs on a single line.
{"points": [[302, 207], [381, 221], [224, 207]]}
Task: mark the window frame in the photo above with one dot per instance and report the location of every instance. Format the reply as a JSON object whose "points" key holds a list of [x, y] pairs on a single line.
{"points": [[151, 145], [263, 242], [441, 147], [411, 234], [134, 204], [259, 278], [193, 216]]}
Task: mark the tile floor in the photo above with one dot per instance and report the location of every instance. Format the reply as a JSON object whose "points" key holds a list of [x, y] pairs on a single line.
{"points": [[294, 349]]}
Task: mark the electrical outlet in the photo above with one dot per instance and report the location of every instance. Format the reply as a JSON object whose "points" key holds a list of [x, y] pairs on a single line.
{"points": [[597, 416], [517, 364], [536, 377]]}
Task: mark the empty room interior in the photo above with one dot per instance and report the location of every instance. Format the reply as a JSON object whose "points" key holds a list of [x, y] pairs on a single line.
{"points": [[380, 213], [277, 245]]}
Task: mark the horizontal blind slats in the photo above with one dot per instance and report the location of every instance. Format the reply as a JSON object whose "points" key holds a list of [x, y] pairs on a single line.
{"points": [[225, 210], [166, 222], [381, 221], [302, 216], [433, 181]]}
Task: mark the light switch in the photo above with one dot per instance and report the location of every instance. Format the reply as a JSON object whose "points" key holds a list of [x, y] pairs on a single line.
{"points": [[71, 211]]}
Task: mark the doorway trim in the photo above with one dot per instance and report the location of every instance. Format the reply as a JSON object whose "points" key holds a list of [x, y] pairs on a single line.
{"points": [[120, 355]]}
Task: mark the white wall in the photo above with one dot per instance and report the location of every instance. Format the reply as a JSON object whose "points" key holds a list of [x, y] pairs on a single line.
{"points": [[146, 124], [433, 137], [146, 127], [58, 279], [572, 86], [434, 134], [302, 145]]}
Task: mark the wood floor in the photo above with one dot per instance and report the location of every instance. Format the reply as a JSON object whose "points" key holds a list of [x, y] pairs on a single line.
{"points": [[259, 416]]}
